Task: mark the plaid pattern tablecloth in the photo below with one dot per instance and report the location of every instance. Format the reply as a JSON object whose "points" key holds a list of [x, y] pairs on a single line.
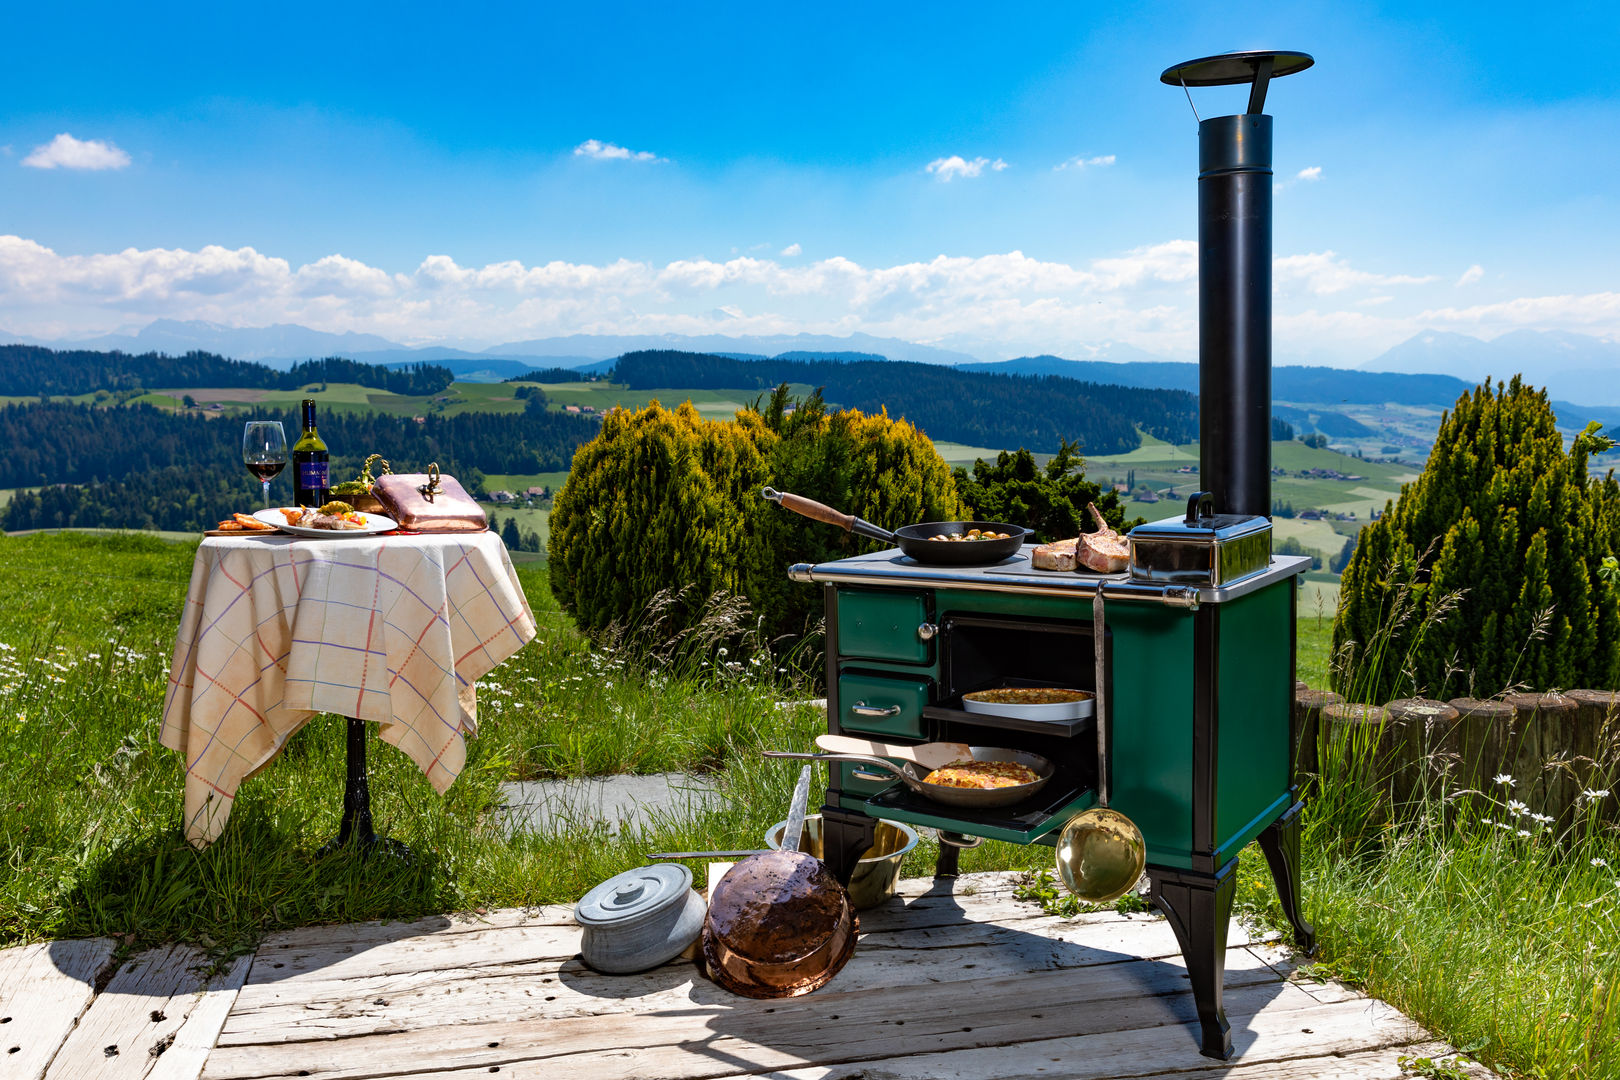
{"points": [[394, 629]]}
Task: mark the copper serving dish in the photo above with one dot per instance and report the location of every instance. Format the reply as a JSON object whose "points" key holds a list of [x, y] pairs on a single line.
{"points": [[779, 925]]}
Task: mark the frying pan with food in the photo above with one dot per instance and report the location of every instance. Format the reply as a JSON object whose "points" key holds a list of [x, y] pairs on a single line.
{"points": [[918, 540], [911, 774]]}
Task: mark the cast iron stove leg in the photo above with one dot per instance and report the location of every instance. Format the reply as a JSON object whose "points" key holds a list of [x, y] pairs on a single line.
{"points": [[1199, 907], [1280, 842], [356, 825], [845, 838], [945, 864]]}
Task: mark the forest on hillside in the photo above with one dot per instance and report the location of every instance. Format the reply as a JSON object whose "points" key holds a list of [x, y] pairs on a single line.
{"points": [[33, 369], [1032, 411], [62, 443]]}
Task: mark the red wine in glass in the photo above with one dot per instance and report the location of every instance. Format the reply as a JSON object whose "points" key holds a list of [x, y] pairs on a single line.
{"points": [[264, 451]]}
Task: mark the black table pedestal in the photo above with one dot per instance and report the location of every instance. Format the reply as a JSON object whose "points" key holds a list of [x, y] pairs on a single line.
{"points": [[356, 827]]}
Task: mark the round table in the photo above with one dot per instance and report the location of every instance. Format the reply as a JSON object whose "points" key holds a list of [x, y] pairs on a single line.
{"points": [[394, 629]]}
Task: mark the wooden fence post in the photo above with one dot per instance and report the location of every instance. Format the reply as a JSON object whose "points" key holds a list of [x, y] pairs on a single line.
{"points": [[1481, 734], [1308, 706], [1546, 731], [1597, 746], [1414, 740]]}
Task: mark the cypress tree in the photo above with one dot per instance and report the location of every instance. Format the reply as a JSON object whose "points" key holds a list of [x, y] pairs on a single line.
{"points": [[1484, 574]]}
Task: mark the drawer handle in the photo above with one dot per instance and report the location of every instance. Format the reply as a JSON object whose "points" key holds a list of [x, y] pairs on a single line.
{"points": [[926, 631], [861, 774], [861, 708]]}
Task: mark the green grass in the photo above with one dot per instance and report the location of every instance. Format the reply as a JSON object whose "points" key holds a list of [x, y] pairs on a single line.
{"points": [[1508, 945], [90, 802]]}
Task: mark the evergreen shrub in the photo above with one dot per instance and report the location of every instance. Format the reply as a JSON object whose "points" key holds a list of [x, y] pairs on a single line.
{"points": [[665, 501], [1506, 525], [1051, 500]]}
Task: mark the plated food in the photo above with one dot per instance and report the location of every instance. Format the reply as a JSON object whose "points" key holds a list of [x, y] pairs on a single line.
{"points": [[335, 515], [1105, 551], [983, 775], [330, 521], [1028, 695], [1032, 702]]}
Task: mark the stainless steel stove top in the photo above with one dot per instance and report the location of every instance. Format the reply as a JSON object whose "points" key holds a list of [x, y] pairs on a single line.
{"points": [[1018, 575]]}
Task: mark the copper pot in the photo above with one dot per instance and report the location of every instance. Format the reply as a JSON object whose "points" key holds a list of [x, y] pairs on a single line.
{"points": [[779, 925]]}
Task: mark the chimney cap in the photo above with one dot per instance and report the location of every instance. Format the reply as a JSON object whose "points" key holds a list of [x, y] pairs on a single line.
{"points": [[1231, 68]]}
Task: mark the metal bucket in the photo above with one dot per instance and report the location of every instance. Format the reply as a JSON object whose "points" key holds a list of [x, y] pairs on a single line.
{"points": [[879, 869]]}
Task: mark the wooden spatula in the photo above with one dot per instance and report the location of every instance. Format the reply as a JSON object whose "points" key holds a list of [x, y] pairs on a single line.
{"points": [[930, 756]]}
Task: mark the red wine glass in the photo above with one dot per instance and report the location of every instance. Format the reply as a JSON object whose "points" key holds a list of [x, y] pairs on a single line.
{"points": [[264, 450]]}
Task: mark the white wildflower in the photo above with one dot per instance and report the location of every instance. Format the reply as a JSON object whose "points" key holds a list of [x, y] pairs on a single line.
{"points": [[7, 648], [1517, 807], [1524, 832], [1542, 818], [1600, 862], [1595, 793], [1502, 778]]}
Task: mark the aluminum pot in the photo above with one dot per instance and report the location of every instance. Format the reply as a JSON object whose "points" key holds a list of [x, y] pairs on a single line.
{"points": [[639, 919], [779, 925], [878, 870]]}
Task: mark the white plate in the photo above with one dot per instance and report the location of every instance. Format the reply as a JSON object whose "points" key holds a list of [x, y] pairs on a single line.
{"points": [[375, 523], [1057, 710]]}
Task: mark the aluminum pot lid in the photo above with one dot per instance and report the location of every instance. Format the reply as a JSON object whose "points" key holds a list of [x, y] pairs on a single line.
{"points": [[634, 896]]}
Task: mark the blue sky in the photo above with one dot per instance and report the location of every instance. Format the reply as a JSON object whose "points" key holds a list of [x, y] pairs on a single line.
{"points": [[431, 174]]}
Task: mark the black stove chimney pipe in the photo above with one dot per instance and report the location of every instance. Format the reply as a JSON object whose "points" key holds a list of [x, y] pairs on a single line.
{"points": [[1234, 312], [1234, 279]]}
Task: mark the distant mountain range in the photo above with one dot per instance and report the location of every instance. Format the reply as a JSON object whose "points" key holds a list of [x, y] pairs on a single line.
{"points": [[1432, 368], [1573, 367]]}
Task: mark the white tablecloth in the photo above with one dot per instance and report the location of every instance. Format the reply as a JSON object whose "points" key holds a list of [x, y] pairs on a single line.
{"points": [[394, 629]]}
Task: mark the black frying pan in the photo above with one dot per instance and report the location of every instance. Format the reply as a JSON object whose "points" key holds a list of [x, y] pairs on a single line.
{"points": [[915, 540]]}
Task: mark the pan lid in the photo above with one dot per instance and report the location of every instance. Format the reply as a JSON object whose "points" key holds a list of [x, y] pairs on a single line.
{"points": [[1201, 523], [635, 896]]}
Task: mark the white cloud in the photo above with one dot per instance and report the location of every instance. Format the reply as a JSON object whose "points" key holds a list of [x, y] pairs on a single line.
{"points": [[1080, 161], [947, 168], [1471, 275], [1324, 272], [1003, 303], [791, 250], [66, 152], [601, 151], [1314, 172]]}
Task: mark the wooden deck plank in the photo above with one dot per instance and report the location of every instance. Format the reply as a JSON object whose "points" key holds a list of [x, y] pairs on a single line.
{"points": [[1044, 1061], [44, 989], [719, 1040], [372, 949], [133, 1022], [204, 1017], [545, 989]]}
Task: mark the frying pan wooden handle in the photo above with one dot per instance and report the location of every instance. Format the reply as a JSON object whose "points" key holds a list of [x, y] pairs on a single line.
{"points": [[810, 508]]}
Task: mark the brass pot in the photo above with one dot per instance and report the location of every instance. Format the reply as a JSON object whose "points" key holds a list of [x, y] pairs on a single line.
{"points": [[878, 871], [779, 925], [366, 504]]}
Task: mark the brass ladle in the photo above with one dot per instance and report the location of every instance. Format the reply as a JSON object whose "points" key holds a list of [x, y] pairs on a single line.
{"points": [[1100, 852]]}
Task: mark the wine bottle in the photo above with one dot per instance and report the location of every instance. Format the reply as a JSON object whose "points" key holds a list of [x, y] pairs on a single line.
{"points": [[312, 476]]}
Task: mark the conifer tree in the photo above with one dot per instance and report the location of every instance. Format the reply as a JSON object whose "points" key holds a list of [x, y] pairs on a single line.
{"points": [[1507, 526]]}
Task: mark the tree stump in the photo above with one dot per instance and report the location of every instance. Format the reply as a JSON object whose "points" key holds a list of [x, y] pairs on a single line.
{"points": [[1413, 743], [1542, 752], [1597, 747], [1308, 706], [1481, 735], [1348, 745]]}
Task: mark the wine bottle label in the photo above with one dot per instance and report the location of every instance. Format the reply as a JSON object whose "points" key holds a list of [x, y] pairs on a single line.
{"points": [[314, 474]]}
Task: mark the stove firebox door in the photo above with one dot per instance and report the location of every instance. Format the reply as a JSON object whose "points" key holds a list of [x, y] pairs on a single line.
{"points": [[885, 624]]}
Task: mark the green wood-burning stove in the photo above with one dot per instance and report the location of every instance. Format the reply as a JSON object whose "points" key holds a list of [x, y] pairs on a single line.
{"points": [[1193, 740]]}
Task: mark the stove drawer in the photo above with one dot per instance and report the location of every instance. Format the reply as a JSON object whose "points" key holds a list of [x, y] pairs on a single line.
{"points": [[882, 705], [885, 624]]}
